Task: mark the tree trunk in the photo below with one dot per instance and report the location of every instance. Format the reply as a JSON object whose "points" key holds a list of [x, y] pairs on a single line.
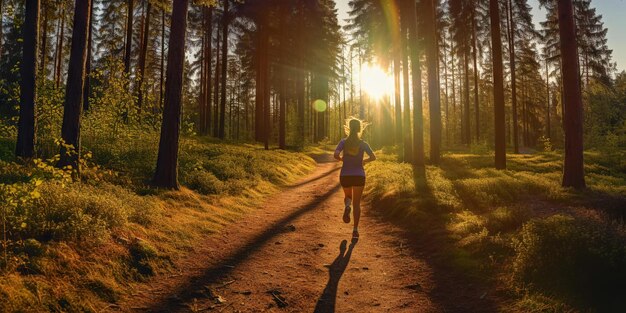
{"points": [[225, 20], [259, 116], [416, 82], [87, 90], [70, 130], [397, 93], [216, 95], [476, 77], [432, 57], [59, 52], [453, 73], [25, 147], [408, 148], [265, 68], [129, 36], [498, 86], [548, 118], [43, 42], [166, 174], [282, 110], [300, 94], [511, 31], [466, 129], [208, 83], [143, 53], [447, 99], [1, 27], [162, 72]]}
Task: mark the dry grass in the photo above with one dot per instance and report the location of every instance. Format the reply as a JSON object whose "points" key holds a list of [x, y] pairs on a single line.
{"points": [[86, 242]]}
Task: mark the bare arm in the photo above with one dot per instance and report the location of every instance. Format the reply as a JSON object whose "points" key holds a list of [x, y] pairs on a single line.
{"points": [[338, 151], [370, 155], [338, 156]]}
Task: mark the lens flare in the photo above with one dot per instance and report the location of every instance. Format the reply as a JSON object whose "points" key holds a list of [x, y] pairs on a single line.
{"points": [[320, 105], [376, 82]]}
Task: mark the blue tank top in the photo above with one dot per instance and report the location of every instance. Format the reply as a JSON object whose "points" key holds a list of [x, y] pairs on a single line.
{"points": [[353, 164]]}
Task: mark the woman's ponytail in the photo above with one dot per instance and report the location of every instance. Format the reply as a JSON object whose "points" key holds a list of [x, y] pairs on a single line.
{"points": [[353, 128]]}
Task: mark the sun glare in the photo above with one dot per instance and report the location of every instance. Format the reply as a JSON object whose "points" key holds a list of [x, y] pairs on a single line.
{"points": [[376, 82]]}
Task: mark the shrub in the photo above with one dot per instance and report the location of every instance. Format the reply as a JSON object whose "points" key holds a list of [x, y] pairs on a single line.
{"points": [[205, 183], [504, 219], [581, 260], [59, 211]]}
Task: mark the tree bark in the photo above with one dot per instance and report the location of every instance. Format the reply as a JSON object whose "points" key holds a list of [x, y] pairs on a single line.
{"points": [[466, 129], [25, 147], [511, 31], [282, 110], [70, 130], [416, 82], [407, 147], [397, 93], [162, 67], [59, 52], [432, 56], [264, 78], [225, 21], [548, 118], [216, 95], [476, 76], [447, 98], [300, 93], [208, 83], [1, 27], [498, 86], [87, 90], [143, 56], [43, 42], [129, 36], [166, 174]]}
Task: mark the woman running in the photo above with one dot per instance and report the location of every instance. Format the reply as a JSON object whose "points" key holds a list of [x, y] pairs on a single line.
{"points": [[352, 176]]}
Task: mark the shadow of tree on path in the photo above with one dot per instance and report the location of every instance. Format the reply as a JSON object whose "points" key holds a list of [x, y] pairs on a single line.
{"points": [[187, 291], [424, 227]]}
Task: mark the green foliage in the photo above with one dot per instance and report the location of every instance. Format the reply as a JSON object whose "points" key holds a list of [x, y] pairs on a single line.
{"points": [[205, 183], [605, 116], [546, 144], [581, 259], [43, 203], [491, 220]]}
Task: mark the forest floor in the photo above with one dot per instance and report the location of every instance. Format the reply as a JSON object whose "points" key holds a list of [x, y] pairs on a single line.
{"points": [[294, 254]]}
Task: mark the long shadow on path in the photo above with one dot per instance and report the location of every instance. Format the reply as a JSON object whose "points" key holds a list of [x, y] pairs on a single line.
{"points": [[326, 302], [189, 290], [453, 289]]}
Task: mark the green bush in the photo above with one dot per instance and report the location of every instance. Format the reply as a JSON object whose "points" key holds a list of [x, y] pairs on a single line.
{"points": [[582, 260], [57, 211], [205, 183]]}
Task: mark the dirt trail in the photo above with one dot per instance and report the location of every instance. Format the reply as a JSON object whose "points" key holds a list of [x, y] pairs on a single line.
{"points": [[296, 248]]}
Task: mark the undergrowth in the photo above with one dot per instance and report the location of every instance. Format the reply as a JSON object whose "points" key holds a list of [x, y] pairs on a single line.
{"points": [[73, 245], [556, 249]]}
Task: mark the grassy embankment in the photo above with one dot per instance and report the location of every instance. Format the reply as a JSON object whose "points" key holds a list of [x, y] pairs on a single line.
{"points": [[76, 246], [547, 248]]}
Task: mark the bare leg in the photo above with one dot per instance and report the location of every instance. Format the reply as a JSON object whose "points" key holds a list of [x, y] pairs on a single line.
{"points": [[346, 201], [347, 193], [356, 204]]}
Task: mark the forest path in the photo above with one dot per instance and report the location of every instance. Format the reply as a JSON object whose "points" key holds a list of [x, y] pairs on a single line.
{"points": [[294, 254]]}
